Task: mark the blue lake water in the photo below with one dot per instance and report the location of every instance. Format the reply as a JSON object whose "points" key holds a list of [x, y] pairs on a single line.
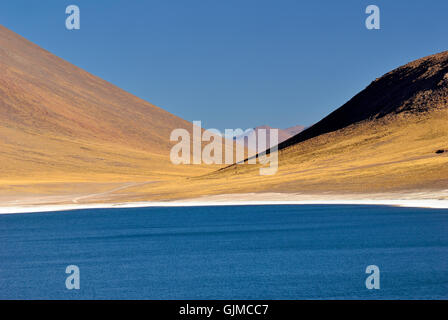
{"points": [[236, 252]]}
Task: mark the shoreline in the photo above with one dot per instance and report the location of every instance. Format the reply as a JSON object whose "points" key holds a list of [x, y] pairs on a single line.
{"points": [[406, 200]]}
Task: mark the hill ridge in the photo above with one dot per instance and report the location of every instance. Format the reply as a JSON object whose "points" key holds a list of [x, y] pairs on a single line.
{"points": [[410, 84]]}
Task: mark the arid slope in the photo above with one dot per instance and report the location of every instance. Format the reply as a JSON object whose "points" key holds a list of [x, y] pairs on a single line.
{"points": [[59, 123], [391, 137], [70, 136]]}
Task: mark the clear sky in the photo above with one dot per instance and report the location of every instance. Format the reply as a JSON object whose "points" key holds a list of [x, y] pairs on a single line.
{"points": [[236, 63]]}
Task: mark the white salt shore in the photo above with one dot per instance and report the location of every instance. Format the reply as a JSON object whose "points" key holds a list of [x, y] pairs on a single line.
{"points": [[406, 200]]}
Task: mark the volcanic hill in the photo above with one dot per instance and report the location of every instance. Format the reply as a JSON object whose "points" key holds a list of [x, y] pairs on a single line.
{"points": [[60, 124]]}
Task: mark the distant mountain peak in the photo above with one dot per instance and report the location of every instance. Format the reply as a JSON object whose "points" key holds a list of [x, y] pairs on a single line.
{"points": [[283, 134]]}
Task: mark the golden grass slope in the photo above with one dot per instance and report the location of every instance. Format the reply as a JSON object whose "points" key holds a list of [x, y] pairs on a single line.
{"points": [[396, 156], [70, 136], [384, 140], [59, 123]]}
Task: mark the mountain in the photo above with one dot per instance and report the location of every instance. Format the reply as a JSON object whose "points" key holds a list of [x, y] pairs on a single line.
{"points": [[292, 131], [414, 88], [68, 135], [283, 134], [387, 137], [392, 137], [59, 123]]}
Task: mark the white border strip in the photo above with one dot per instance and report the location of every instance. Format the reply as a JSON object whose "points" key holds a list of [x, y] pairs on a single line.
{"points": [[422, 203]]}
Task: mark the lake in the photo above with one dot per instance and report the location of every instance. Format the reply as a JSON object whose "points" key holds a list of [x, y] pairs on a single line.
{"points": [[226, 252]]}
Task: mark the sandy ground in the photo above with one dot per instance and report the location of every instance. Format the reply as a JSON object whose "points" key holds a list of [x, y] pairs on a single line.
{"points": [[433, 199]]}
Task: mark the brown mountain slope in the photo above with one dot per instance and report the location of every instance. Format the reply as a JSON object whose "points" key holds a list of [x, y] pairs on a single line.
{"points": [[61, 127], [417, 87], [388, 138], [59, 123]]}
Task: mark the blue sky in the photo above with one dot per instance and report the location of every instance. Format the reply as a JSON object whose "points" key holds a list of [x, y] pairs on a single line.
{"points": [[236, 63]]}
